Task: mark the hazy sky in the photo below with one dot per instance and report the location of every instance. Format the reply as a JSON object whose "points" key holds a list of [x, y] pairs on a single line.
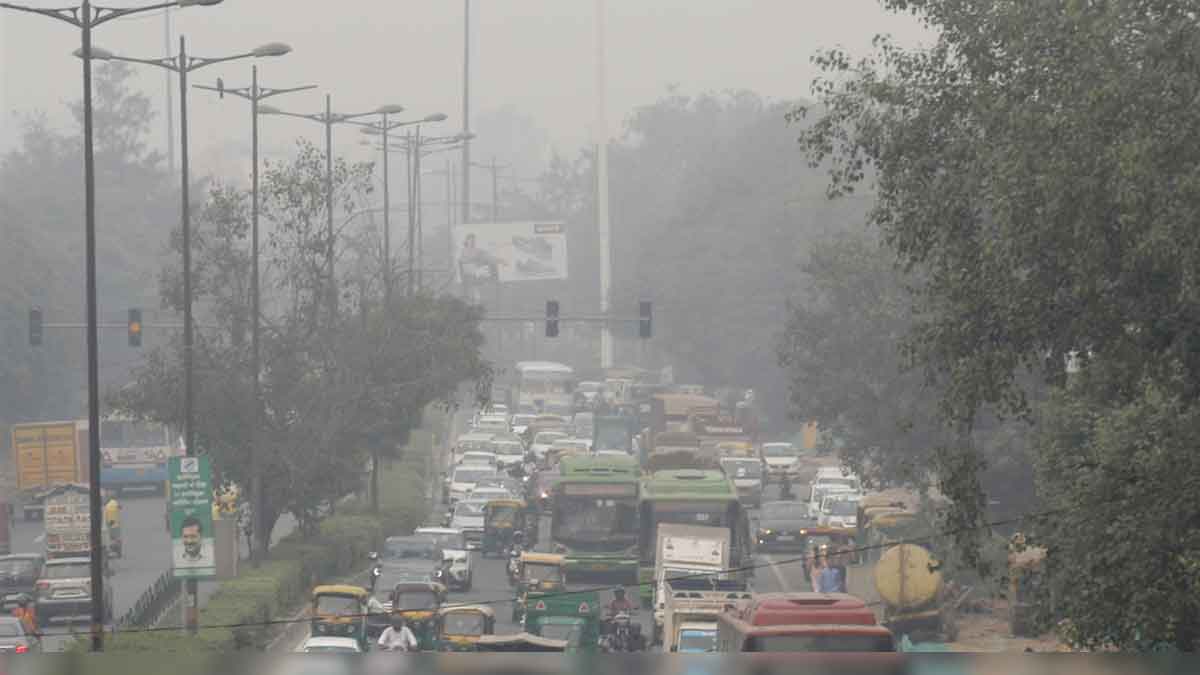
{"points": [[536, 55]]}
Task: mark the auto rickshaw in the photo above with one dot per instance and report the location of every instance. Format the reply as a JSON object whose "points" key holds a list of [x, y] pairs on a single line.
{"points": [[419, 602], [574, 618], [520, 642], [340, 611], [461, 626], [501, 519], [540, 574]]}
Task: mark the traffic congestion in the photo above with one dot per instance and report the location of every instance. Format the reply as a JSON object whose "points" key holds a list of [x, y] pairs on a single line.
{"points": [[658, 522]]}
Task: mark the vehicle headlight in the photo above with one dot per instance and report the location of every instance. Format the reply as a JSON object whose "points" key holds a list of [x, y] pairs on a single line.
{"points": [[764, 532]]}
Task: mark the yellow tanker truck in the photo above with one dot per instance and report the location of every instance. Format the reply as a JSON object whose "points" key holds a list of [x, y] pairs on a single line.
{"points": [[911, 589]]}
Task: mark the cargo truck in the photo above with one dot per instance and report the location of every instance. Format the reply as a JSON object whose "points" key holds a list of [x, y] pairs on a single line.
{"points": [[68, 522], [687, 553], [45, 455], [690, 609]]}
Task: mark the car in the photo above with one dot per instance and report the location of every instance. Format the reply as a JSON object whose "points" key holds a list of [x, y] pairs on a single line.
{"points": [[485, 457], [64, 590], [460, 573], [464, 478], [492, 423], [783, 459], [14, 639], [413, 557], [468, 518], [840, 509], [834, 477], [781, 526], [520, 422], [468, 442], [508, 453], [443, 537], [487, 494], [542, 442], [18, 576], [818, 492], [330, 645]]}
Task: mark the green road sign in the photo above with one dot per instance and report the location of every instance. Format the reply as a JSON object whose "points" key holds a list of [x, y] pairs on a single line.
{"points": [[190, 495]]}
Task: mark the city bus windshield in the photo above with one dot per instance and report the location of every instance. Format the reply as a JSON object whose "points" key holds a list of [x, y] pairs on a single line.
{"points": [[595, 519]]}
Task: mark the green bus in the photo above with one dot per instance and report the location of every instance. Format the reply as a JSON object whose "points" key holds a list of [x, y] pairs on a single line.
{"points": [[690, 497], [594, 520]]}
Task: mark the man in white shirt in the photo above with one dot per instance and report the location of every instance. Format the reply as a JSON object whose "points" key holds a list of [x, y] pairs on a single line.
{"points": [[398, 637]]}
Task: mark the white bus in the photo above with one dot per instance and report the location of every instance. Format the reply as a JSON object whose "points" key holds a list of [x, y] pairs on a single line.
{"points": [[545, 387]]}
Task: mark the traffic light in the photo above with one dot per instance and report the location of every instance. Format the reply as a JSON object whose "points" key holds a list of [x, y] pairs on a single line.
{"points": [[35, 327], [135, 328], [551, 318], [645, 319]]}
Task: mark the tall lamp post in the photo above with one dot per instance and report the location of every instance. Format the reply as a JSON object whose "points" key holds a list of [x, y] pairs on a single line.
{"points": [[85, 17], [328, 119], [383, 129], [254, 93], [182, 64]]}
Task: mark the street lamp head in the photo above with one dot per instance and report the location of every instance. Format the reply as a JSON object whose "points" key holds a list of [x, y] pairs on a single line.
{"points": [[193, 3], [97, 53], [268, 110], [436, 117], [464, 137], [371, 131], [390, 109], [271, 49]]}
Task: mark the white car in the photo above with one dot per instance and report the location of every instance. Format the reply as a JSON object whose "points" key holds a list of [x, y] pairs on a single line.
{"points": [[492, 423], [783, 459], [818, 493], [543, 441], [463, 480], [833, 476], [460, 575], [521, 422], [478, 458], [330, 645], [508, 453], [839, 509], [468, 518], [487, 494]]}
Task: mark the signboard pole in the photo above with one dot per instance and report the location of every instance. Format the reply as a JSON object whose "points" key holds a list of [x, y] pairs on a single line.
{"points": [[193, 542]]}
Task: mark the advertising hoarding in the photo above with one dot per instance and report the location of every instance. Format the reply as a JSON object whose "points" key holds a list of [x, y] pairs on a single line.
{"points": [[510, 252], [192, 541]]}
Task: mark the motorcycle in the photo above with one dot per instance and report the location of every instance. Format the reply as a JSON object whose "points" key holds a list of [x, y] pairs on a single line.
{"points": [[376, 569], [785, 489], [514, 563], [621, 634]]}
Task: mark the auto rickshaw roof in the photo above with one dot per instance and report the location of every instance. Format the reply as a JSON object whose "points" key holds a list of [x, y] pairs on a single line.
{"points": [[469, 609], [500, 642], [515, 503], [342, 589], [544, 558], [431, 586]]}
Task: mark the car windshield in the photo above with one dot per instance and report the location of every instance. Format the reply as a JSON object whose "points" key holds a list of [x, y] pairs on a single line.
{"points": [[67, 571], [784, 511], [463, 623], [697, 641], [841, 507], [509, 449], [411, 547], [742, 468], [548, 437], [450, 540], [338, 605], [10, 628], [469, 508], [835, 482], [471, 474], [568, 632], [414, 600], [18, 569], [779, 451], [541, 572]]}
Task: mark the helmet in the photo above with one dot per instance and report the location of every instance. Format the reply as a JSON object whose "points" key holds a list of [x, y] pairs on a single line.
{"points": [[619, 591]]}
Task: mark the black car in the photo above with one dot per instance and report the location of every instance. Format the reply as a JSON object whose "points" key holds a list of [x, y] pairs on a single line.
{"points": [[18, 575], [14, 639], [782, 525], [409, 558]]}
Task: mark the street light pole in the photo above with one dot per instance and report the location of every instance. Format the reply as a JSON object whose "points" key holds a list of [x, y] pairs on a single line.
{"points": [[85, 18], [255, 94], [182, 65], [466, 131]]}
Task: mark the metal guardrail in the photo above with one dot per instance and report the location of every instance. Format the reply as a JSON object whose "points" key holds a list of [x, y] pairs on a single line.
{"points": [[153, 602]]}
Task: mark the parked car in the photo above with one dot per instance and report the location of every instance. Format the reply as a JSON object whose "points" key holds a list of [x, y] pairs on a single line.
{"points": [[64, 590], [14, 639]]}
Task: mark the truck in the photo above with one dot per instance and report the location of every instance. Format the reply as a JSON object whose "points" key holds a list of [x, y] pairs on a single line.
{"points": [[690, 608], [911, 590], [68, 521], [687, 553], [46, 455]]}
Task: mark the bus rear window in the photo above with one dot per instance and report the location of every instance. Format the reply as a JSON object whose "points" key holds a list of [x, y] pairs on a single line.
{"points": [[820, 643]]}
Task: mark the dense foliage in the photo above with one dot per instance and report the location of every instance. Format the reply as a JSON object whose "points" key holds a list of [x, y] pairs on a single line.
{"points": [[1037, 165]]}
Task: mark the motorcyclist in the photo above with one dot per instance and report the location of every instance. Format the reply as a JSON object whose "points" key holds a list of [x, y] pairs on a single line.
{"points": [[398, 637], [620, 604], [785, 487]]}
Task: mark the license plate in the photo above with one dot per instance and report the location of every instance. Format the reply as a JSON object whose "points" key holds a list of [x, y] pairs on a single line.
{"points": [[786, 537]]}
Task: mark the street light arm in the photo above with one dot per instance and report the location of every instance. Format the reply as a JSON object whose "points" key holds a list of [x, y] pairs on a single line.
{"points": [[103, 14], [263, 92], [198, 62], [169, 62], [315, 117], [66, 14]]}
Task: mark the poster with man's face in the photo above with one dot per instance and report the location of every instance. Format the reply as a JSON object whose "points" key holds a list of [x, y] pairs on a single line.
{"points": [[190, 495]]}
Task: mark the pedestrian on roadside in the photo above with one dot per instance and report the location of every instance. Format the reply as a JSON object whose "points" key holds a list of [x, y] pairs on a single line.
{"points": [[839, 564]]}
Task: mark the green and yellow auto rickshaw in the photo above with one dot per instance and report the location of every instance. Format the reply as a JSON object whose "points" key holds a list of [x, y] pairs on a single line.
{"points": [[461, 626], [419, 603], [573, 618], [539, 574], [502, 518], [340, 611]]}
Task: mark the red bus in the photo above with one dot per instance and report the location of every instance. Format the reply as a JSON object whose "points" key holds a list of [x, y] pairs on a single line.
{"points": [[802, 622]]}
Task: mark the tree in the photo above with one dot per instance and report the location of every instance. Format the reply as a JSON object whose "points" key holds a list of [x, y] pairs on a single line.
{"points": [[1037, 165]]}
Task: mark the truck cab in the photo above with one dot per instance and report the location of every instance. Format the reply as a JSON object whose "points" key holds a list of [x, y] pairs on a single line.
{"points": [[689, 610]]}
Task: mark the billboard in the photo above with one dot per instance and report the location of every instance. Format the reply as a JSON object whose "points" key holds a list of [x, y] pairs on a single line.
{"points": [[508, 252], [190, 500]]}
